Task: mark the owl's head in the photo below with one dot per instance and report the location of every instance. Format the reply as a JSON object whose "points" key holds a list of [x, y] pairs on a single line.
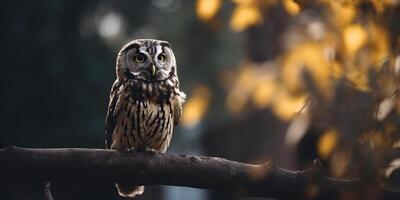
{"points": [[147, 60]]}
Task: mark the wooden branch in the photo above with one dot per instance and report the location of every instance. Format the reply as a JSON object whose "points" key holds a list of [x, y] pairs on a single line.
{"points": [[145, 168]]}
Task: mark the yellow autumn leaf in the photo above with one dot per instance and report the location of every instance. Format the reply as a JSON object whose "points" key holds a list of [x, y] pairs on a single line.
{"points": [[245, 16], [207, 9], [354, 37], [253, 84], [380, 5], [291, 7], [308, 56], [286, 106], [379, 44], [343, 13], [263, 93], [195, 108], [375, 42], [239, 95], [327, 143], [358, 77]]}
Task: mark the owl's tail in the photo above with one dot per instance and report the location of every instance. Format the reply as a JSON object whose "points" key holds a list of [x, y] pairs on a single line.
{"points": [[129, 190]]}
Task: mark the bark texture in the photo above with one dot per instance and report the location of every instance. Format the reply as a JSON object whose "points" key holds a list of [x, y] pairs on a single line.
{"points": [[149, 168]]}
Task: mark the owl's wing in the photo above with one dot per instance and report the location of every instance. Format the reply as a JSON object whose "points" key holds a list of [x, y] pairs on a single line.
{"points": [[179, 100], [110, 118]]}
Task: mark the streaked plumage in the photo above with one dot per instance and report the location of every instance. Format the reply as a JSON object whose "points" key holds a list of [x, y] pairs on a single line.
{"points": [[145, 101]]}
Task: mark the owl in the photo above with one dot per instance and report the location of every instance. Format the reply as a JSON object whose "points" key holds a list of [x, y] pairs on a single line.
{"points": [[145, 101]]}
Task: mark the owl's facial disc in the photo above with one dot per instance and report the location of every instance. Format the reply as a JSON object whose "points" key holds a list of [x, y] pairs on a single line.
{"points": [[149, 60]]}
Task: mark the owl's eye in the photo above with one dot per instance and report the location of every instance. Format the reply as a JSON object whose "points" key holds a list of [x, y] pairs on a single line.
{"points": [[139, 58], [161, 57]]}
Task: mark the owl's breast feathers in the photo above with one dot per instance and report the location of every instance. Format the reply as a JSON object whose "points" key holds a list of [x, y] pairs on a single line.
{"points": [[142, 114]]}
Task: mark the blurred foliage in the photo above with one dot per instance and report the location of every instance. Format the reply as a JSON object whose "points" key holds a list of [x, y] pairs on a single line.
{"points": [[206, 9], [336, 78], [196, 107]]}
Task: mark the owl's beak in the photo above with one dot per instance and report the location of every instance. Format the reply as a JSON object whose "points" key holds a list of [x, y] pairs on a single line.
{"points": [[153, 70]]}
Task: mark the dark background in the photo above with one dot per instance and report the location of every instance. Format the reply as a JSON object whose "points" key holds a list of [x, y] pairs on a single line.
{"points": [[58, 68], [58, 62]]}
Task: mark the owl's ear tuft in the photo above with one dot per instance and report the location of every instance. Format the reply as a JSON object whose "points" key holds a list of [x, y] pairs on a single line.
{"points": [[130, 45], [165, 43]]}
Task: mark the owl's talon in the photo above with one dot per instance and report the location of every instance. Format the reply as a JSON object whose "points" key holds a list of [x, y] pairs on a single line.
{"points": [[150, 151], [130, 150]]}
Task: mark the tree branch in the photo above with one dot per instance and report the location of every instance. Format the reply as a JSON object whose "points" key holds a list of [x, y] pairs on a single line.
{"points": [[143, 168]]}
